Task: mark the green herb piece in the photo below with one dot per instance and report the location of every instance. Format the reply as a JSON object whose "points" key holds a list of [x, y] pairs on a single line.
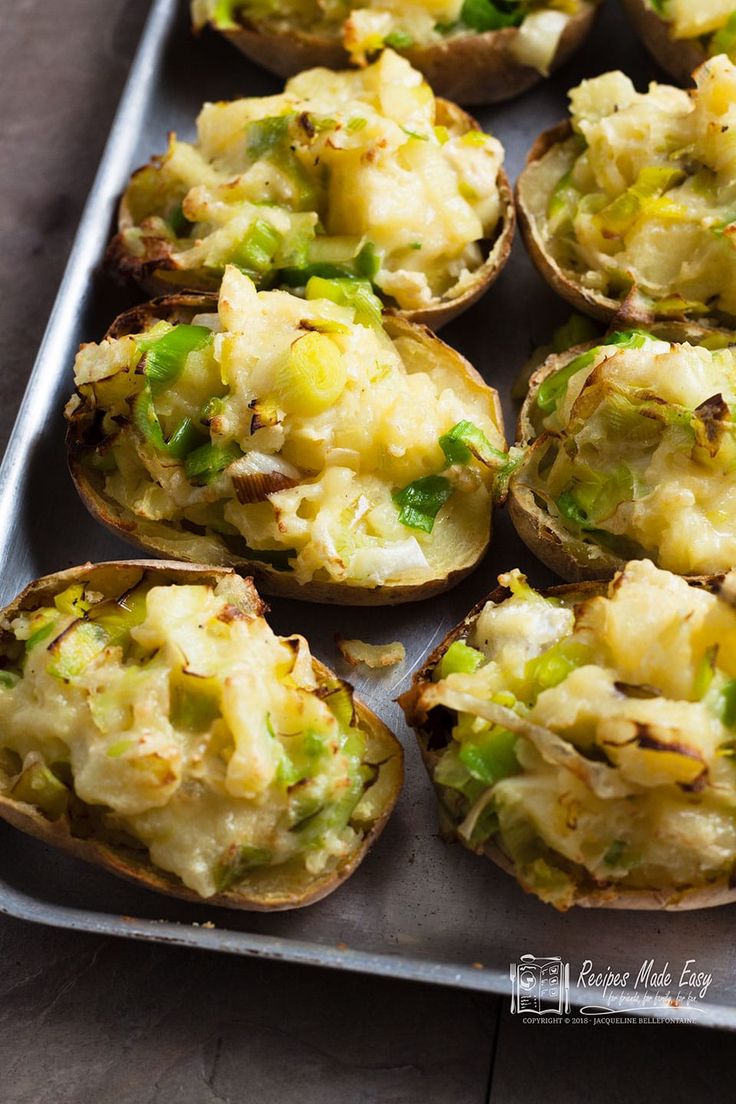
{"points": [[256, 252], [207, 461], [357, 294], [459, 658], [490, 756], [484, 15], [165, 358], [422, 500], [465, 441], [553, 387], [399, 40]]}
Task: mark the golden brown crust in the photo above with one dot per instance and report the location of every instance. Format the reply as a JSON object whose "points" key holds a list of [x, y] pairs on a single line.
{"points": [[158, 274], [267, 890], [677, 56], [470, 69], [171, 542], [588, 894]]}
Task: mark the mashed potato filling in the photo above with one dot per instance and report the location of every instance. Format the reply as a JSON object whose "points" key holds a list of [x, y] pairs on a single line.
{"points": [[186, 727], [712, 21], [644, 194], [637, 451], [341, 174], [366, 28], [294, 430], [595, 739]]}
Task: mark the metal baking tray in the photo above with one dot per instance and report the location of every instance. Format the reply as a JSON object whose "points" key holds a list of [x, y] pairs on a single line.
{"points": [[417, 909]]}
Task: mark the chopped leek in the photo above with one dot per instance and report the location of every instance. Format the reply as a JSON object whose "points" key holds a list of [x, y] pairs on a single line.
{"points": [[553, 387], [75, 649], [465, 441], [234, 868], [37, 785], [399, 40], [165, 358], [485, 15], [490, 756], [724, 40], [209, 460], [265, 136], [459, 658], [619, 216], [553, 666], [256, 252], [422, 500], [313, 376], [357, 294]]}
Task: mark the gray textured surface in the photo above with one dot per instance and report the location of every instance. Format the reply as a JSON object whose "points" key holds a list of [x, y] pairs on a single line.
{"points": [[87, 1020]]}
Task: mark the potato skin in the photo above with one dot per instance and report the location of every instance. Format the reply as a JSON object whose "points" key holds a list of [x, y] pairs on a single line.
{"points": [[677, 56], [568, 556], [432, 739], [633, 310], [151, 272], [471, 69], [181, 308], [276, 892]]}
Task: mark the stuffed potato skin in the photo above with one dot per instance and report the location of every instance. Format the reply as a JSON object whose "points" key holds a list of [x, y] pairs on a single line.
{"points": [[433, 732], [600, 244], [573, 553], [160, 266], [678, 57], [173, 541], [470, 69], [260, 890]]}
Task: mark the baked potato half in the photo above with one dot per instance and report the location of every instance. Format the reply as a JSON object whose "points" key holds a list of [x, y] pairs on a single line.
{"points": [[358, 174], [151, 722], [337, 454], [681, 35], [472, 51], [630, 203], [626, 449], [583, 737]]}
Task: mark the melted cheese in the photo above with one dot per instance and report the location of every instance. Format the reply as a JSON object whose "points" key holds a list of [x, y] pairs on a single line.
{"points": [[380, 433], [358, 154], [366, 27], [679, 498], [650, 201], [635, 699], [195, 790]]}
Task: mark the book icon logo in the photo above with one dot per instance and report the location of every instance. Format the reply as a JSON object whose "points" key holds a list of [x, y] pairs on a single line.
{"points": [[540, 986]]}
